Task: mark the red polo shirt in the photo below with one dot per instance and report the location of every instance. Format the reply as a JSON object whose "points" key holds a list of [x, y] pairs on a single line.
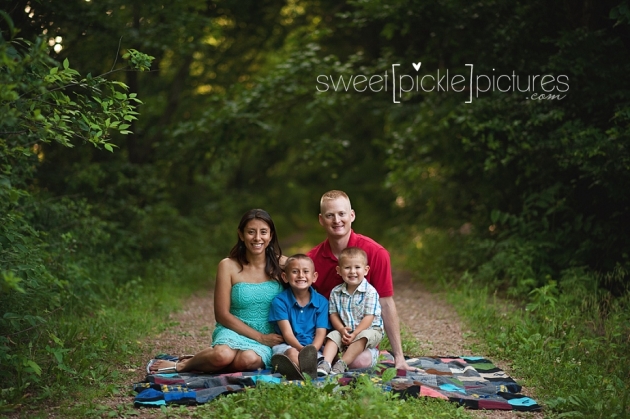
{"points": [[380, 274]]}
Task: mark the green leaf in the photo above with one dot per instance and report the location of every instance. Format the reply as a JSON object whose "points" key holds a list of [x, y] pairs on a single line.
{"points": [[494, 216], [389, 374], [108, 147], [66, 64], [36, 368]]}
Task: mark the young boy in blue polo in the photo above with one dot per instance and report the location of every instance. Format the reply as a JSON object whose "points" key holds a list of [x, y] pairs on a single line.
{"points": [[301, 317]]}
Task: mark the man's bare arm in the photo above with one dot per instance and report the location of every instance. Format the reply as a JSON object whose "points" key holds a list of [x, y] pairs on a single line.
{"points": [[392, 328]]}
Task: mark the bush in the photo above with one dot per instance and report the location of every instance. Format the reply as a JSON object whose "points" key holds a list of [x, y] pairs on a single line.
{"points": [[56, 256]]}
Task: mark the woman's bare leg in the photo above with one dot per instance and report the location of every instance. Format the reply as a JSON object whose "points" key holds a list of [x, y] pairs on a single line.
{"points": [[246, 360], [208, 360]]}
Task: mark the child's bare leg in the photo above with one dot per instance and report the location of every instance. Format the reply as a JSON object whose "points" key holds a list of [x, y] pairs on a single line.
{"points": [[292, 354], [330, 350], [354, 350]]}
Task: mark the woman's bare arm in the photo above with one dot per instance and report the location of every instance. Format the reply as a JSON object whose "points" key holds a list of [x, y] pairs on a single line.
{"points": [[222, 297]]}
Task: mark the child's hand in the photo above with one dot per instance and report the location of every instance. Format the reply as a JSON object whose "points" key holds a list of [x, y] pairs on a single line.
{"points": [[348, 336]]}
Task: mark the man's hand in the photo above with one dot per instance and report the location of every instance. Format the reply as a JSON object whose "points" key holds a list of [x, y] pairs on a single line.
{"points": [[401, 364]]}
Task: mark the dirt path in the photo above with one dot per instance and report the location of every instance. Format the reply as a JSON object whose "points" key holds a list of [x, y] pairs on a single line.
{"points": [[437, 326], [431, 320]]}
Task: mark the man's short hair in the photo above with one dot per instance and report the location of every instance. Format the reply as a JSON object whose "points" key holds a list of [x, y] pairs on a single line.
{"points": [[334, 194], [297, 256], [353, 252]]}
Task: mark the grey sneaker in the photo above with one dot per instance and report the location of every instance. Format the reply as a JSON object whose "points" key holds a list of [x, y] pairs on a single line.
{"points": [[339, 368], [323, 368]]}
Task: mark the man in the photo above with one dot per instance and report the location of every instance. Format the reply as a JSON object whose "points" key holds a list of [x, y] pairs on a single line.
{"points": [[336, 217]]}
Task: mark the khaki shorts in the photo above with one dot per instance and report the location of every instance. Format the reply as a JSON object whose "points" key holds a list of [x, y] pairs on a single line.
{"points": [[373, 337]]}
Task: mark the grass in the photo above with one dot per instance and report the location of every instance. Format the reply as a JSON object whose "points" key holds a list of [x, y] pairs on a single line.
{"points": [[410, 345], [363, 400], [576, 358], [568, 339], [94, 356]]}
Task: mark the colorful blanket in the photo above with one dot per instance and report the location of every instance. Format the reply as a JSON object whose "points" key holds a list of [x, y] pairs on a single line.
{"points": [[474, 382]]}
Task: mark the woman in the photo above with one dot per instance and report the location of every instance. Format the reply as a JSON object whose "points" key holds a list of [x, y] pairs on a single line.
{"points": [[246, 283]]}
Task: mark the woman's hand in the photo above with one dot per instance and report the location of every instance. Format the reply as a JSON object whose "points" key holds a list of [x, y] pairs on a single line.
{"points": [[271, 339]]}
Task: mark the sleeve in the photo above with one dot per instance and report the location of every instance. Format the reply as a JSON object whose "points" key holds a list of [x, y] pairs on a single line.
{"points": [[333, 303], [322, 320], [372, 306], [279, 309], [380, 274]]}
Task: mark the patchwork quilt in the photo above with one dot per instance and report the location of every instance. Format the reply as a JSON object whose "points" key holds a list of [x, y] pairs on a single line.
{"points": [[471, 381]]}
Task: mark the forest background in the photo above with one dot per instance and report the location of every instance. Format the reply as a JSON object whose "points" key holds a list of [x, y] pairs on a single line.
{"points": [[117, 186]]}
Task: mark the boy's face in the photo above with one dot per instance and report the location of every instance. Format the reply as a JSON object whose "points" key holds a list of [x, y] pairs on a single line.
{"points": [[352, 270], [299, 274], [336, 217]]}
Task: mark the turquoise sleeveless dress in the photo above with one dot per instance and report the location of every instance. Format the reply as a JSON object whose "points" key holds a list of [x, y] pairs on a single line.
{"points": [[251, 304]]}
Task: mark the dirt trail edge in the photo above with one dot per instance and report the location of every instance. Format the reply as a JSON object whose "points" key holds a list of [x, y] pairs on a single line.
{"points": [[427, 315]]}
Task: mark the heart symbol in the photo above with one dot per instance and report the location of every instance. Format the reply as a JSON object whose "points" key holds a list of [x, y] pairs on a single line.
{"points": [[417, 66]]}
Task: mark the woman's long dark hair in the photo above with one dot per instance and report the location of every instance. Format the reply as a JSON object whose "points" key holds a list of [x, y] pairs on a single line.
{"points": [[273, 251]]}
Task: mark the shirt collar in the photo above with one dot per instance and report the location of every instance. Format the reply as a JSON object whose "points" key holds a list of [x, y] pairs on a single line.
{"points": [[312, 302], [352, 241], [327, 251], [361, 288]]}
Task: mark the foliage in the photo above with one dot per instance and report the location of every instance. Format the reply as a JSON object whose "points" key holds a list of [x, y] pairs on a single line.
{"points": [[516, 192], [547, 178], [362, 400], [92, 354], [42, 101], [57, 258], [567, 339], [571, 346], [541, 182]]}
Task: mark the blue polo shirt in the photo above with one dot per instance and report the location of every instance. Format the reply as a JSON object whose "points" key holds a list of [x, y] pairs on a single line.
{"points": [[303, 320]]}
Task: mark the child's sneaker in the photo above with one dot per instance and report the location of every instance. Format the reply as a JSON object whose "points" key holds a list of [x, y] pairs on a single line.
{"points": [[339, 368], [323, 368]]}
